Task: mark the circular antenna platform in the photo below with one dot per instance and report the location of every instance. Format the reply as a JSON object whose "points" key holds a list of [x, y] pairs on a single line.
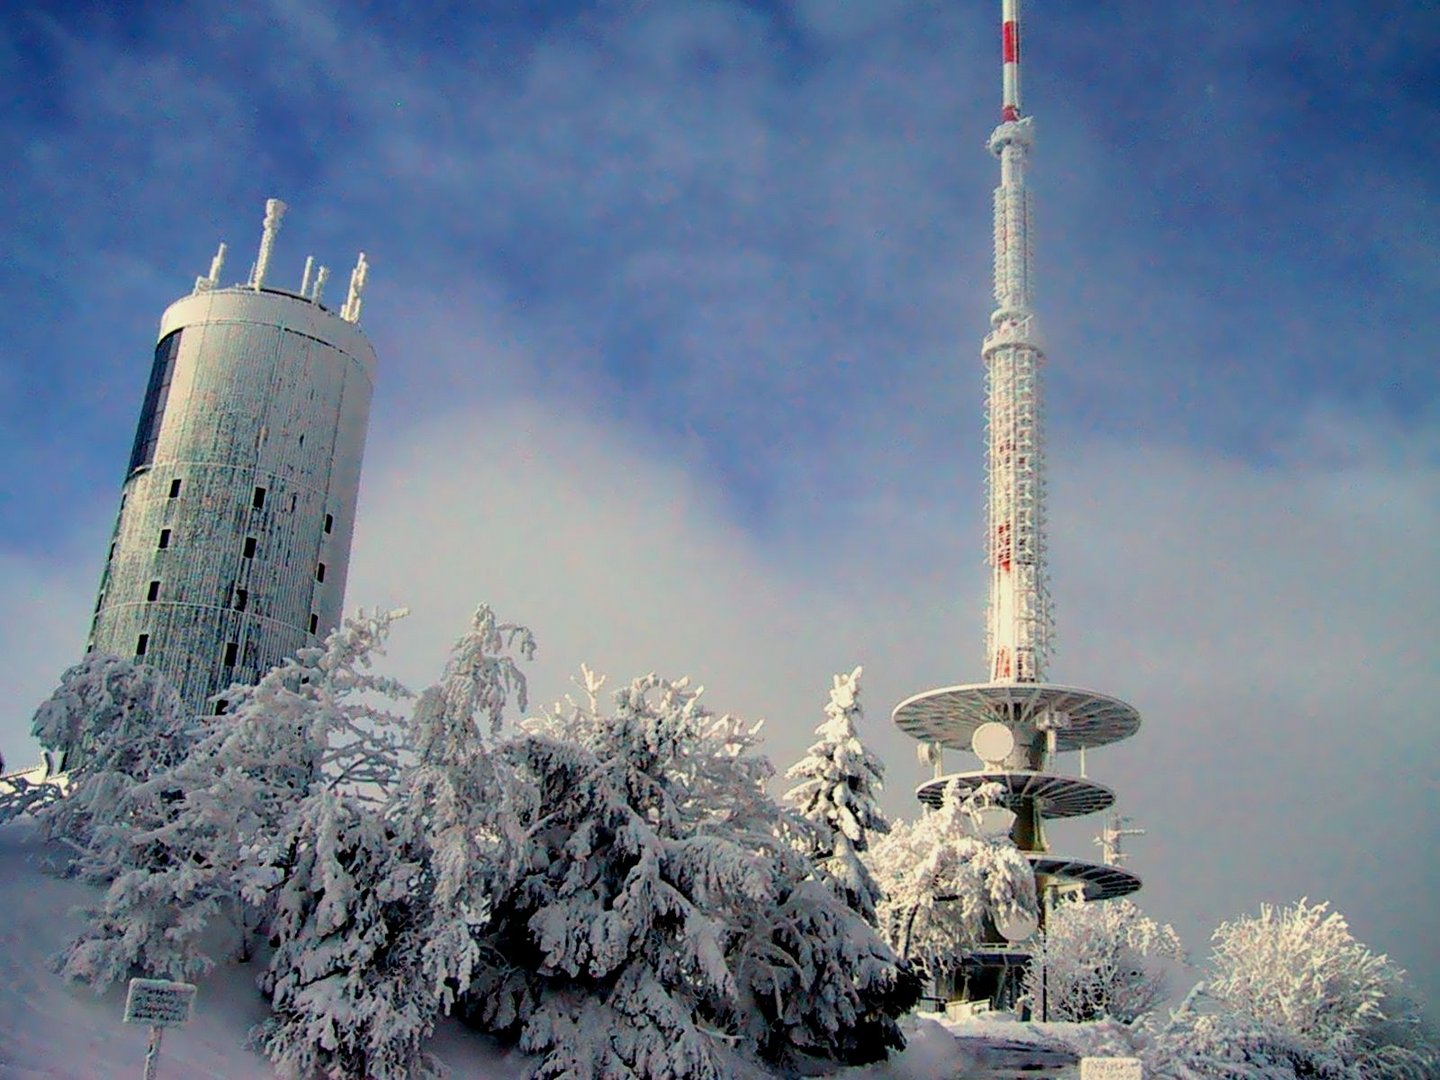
{"points": [[1056, 796], [952, 714], [993, 742], [1018, 927], [1101, 880]]}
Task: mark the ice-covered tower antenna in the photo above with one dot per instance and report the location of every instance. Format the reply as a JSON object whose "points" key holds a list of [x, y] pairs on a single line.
{"points": [[350, 312], [274, 211], [1019, 619]]}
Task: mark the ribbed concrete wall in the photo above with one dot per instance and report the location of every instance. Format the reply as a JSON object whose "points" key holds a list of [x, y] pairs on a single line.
{"points": [[267, 390]]}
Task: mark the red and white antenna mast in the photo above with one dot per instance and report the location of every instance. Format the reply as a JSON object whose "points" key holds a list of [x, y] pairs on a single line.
{"points": [[1019, 620]]}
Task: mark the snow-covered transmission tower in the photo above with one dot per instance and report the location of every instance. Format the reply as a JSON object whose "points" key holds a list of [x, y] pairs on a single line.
{"points": [[1017, 629], [1016, 722]]}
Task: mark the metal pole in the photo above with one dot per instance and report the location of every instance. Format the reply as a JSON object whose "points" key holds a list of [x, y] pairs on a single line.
{"points": [[152, 1052]]}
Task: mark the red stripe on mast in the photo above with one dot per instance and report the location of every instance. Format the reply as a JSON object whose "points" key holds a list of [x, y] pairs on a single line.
{"points": [[1010, 42]]}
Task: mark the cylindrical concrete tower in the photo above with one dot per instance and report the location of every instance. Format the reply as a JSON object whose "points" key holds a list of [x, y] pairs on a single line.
{"points": [[232, 543]]}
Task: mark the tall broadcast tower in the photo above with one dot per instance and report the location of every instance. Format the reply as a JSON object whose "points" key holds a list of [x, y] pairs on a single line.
{"points": [[1017, 723]]}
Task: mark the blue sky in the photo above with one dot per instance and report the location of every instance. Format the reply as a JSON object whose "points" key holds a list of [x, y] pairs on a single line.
{"points": [[678, 307]]}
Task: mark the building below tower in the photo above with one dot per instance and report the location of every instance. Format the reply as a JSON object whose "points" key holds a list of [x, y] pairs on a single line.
{"points": [[232, 543]]}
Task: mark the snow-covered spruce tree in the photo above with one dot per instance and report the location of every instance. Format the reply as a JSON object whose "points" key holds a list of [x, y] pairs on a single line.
{"points": [[115, 723], [214, 836], [1098, 960], [943, 882], [659, 922], [345, 985], [1300, 970], [839, 780], [459, 799], [376, 924]]}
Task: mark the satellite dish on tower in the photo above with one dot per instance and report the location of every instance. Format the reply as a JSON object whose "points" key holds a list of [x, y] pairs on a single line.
{"points": [[993, 743], [1017, 927]]}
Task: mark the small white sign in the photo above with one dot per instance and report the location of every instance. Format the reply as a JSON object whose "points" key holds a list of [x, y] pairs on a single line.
{"points": [[159, 1002], [1099, 1068]]}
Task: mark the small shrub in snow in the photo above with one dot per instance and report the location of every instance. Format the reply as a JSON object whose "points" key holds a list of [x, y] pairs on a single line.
{"points": [[1098, 960], [1301, 971]]}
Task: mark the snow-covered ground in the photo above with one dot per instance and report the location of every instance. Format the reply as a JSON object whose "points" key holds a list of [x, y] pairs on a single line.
{"points": [[57, 1031]]}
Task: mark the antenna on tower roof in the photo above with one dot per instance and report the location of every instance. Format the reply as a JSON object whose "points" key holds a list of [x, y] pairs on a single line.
{"points": [[321, 277], [274, 211], [205, 284], [351, 311], [305, 278]]}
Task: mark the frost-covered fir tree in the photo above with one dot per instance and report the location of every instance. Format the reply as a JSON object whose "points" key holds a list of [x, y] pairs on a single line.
{"points": [[839, 781], [376, 924], [344, 980], [943, 881], [214, 836], [659, 922], [115, 724], [458, 801], [1101, 959]]}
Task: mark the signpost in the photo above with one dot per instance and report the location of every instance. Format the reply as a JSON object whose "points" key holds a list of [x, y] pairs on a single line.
{"points": [[1110, 1068], [161, 1004]]}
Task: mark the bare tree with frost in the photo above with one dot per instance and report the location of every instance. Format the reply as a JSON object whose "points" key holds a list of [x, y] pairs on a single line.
{"points": [[839, 781], [1101, 959], [944, 883], [660, 922]]}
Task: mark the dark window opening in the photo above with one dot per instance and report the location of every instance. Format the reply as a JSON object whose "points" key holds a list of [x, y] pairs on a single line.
{"points": [[258, 502], [142, 645], [154, 593], [314, 623], [147, 432], [329, 522], [302, 440], [293, 500], [249, 547], [100, 601], [241, 596], [232, 650], [175, 489], [112, 549], [220, 706], [320, 572], [164, 539]]}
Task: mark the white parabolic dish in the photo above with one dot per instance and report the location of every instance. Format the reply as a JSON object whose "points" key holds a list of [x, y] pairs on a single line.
{"points": [[993, 742], [1017, 927]]}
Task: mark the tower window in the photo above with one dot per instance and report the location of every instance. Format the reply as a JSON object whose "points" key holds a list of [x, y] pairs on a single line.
{"points": [[142, 645], [294, 499], [220, 706], [154, 593], [249, 547], [164, 539], [232, 650], [314, 623], [258, 501], [114, 542], [175, 488], [100, 601], [241, 597], [152, 413], [329, 523], [320, 572]]}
